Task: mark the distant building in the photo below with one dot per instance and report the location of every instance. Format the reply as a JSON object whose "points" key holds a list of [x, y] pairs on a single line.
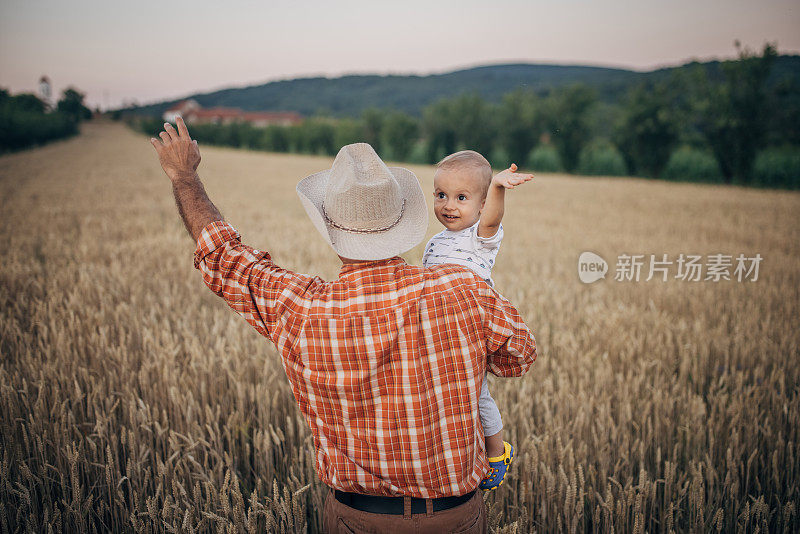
{"points": [[181, 109], [192, 113], [45, 92]]}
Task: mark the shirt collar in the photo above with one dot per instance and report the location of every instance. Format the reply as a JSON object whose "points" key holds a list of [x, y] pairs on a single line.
{"points": [[357, 269]]}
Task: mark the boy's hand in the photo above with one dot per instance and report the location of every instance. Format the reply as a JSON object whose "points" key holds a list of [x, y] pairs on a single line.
{"points": [[177, 152], [509, 178]]}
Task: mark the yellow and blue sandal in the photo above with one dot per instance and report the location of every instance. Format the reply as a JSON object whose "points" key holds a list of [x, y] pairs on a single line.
{"points": [[498, 467]]}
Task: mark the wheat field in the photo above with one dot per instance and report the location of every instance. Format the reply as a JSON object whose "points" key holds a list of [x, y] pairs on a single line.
{"points": [[134, 400]]}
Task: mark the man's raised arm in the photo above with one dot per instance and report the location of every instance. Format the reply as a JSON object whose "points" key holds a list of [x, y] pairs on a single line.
{"points": [[179, 157], [246, 278]]}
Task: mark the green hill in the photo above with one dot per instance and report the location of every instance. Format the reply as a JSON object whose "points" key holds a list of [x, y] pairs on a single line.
{"points": [[350, 95]]}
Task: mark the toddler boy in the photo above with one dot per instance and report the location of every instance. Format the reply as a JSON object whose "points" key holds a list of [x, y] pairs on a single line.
{"points": [[469, 202]]}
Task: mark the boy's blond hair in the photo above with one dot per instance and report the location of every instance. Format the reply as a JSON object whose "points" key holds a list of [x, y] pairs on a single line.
{"points": [[468, 159]]}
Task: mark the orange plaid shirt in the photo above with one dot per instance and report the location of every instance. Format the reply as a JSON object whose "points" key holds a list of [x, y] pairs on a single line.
{"points": [[386, 362]]}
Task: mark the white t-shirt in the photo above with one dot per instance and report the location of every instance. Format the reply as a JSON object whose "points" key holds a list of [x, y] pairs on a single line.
{"points": [[465, 248]]}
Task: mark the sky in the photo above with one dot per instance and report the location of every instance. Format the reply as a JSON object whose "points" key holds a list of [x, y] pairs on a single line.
{"points": [[148, 51]]}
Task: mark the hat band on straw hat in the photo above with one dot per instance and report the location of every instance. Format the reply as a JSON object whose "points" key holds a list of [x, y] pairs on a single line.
{"points": [[363, 230]]}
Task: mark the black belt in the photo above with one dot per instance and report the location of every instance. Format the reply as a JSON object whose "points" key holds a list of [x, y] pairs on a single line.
{"points": [[394, 505]]}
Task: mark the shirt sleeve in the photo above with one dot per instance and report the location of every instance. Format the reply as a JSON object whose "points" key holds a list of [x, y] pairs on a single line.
{"points": [[247, 279], [487, 243], [510, 345]]}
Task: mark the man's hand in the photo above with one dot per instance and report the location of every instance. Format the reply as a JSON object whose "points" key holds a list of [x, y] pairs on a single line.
{"points": [[179, 158], [509, 178], [177, 152]]}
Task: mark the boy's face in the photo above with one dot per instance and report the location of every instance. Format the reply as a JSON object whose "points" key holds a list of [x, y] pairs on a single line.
{"points": [[457, 198]]}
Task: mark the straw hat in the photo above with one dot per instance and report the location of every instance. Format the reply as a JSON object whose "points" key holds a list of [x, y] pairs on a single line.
{"points": [[364, 209]]}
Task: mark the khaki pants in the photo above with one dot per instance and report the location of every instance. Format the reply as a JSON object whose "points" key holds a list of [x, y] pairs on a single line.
{"points": [[467, 518]]}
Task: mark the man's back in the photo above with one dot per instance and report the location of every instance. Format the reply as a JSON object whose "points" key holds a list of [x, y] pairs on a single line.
{"points": [[386, 362]]}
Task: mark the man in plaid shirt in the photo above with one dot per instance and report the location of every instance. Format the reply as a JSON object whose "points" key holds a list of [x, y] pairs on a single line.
{"points": [[386, 362]]}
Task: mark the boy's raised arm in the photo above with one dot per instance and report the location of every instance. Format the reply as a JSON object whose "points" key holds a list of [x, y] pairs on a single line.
{"points": [[493, 209]]}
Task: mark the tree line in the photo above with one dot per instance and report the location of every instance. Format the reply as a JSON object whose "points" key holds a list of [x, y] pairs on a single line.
{"points": [[727, 128], [26, 121]]}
